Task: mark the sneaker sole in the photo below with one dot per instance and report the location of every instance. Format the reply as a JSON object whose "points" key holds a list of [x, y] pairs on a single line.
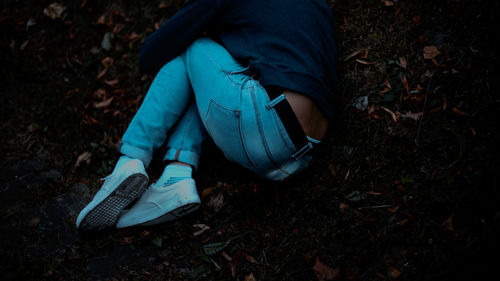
{"points": [[174, 214], [106, 213]]}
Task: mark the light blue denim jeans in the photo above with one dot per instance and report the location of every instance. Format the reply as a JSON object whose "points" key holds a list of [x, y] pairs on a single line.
{"points": [[205, 90]]}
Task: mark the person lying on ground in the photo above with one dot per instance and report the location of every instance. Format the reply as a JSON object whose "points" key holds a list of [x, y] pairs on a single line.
{"points": [[258, 77]]}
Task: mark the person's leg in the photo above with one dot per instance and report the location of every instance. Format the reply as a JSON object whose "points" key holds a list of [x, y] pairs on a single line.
{"points": [[165, 102], [239, 115], [174, 194]]}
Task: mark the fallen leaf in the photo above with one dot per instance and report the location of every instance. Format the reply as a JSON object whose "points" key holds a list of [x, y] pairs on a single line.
{"points": [[131, 37], [207, 191], [103, 103], [414, 116], [361, 103], [112, 83], [370, 109], [431, 52], [164, 5], [203, 228], [248, 257], [387, 3], [157, 241], [404, 80], [101, 19], [216, 201], [99, 93], [347, 174], [448, 224], [54, 10], [331, 167], [226, 256], [394, 116], [106, 40], [107, 62], [364, 217], [126, 240], [24, 44], [402, 222], [343, 207], [214, 248], [394, 272], [84, 157], [402, 62], [101, 74], [250, 277], [393, 209], [459, 112], [324, 272], [355, 53], [365, 62]]}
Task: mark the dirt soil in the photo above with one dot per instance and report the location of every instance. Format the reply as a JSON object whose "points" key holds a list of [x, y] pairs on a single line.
{"points": [[404, 187]]}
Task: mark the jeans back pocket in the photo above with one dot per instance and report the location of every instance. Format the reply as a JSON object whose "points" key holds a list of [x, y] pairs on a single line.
{"points": [[224, 126]]}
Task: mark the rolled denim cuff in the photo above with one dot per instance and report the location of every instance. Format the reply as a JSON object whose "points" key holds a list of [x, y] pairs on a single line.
{"points": [[184, 156], [134, 152]]}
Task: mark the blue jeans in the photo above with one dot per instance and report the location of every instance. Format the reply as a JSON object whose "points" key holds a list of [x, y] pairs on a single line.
{"points": [[205, 90]]}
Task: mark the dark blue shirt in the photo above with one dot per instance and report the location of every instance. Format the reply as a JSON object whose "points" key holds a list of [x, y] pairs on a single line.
{"points": [[286, 43]]}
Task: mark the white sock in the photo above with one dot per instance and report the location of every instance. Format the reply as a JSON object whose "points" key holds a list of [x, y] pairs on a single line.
{"points": [[173, 173], [122, 161]]}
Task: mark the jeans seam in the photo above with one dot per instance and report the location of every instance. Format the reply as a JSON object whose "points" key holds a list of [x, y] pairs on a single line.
{"points": [[261, 130], [183, 138], [228, 74], [240, 133]]}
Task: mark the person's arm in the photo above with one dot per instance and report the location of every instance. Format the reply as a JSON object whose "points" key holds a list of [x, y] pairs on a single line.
{"points": [[174, 36]]}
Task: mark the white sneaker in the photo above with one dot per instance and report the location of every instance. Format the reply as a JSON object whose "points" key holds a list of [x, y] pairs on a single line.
{"points": [[123, 186], [162, 204]]}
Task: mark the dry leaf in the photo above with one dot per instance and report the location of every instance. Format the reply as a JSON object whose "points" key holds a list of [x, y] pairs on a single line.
{"points": [[103, 103], [393, 209], [393, 115], [394, 272], [207, 191], [324, 272], [431, 52], [248, 257], [448, 224], [101, 20], [343, 207], [459, 112], [250, 277], [414, 116], [99, 93], [331, 167], [365, 62], [226, 256], [354, 54], [54, 10], [387, 3], [131, 37], [370, 109], [107, 62], [101, 74], [203, 228], [84, 157], [112, 83], [347, 174], [402, 62], [216, 201]]}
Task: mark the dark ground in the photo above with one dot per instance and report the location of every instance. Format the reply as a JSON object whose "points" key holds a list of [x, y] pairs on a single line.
{"points": [[384, 200]]}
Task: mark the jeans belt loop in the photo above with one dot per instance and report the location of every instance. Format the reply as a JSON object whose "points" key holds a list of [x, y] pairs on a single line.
{"points": [[302, 151], [275, 101]]}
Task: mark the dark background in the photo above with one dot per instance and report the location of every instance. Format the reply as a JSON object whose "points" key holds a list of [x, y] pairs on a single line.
{"points": [[383, 200]]}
